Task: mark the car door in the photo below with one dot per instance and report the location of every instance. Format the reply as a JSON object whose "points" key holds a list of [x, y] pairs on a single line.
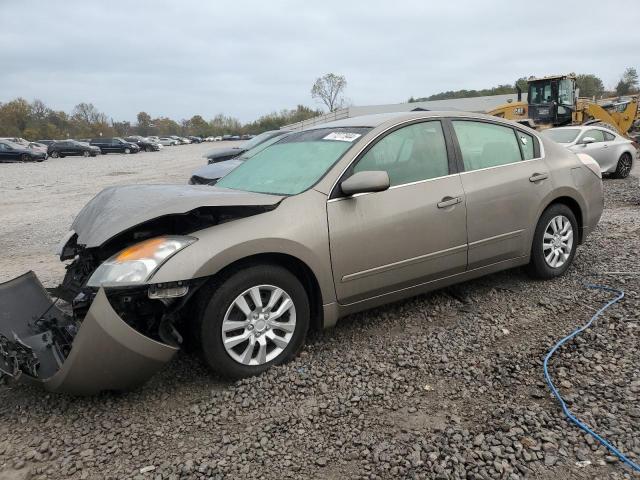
{"points": [[504, 178], [412, 233], [598, 149]]}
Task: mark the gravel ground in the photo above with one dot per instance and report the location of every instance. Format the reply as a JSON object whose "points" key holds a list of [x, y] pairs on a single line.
{"points": [[446, 385]]}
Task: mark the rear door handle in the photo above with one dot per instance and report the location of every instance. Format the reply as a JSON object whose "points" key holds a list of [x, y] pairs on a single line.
{"points": [[449, 202], [536, 177]]}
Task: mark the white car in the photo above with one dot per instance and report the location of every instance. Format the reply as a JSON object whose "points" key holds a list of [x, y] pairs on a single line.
{"points": [[614, 153], [167, 142], [217, 139]]}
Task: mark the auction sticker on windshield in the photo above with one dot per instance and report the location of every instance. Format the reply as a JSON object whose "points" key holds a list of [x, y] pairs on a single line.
{"points": [[342, 136]]}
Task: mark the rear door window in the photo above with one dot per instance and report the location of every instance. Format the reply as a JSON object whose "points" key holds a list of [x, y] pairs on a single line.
{"points": [[609, 137], [485, 145], [597, 135]]}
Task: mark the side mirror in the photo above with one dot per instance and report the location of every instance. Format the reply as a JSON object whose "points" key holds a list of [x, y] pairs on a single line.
{"points": [[587, 140], [365, 182]]}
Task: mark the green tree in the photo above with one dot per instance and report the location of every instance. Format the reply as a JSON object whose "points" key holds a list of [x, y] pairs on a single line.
{"points": [[628, 83], [589, 85], [523, 84], [145, 125], [329, 89], [14, 117]]}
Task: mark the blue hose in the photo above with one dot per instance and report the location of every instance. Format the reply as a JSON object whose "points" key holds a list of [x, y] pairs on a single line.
{"points": [[554, 390]]}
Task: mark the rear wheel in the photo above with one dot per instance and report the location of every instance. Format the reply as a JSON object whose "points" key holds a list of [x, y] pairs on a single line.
{"points": [[103, 152], [623, 169], [255, 318], [554, 242], [25, 157], [127, 151], [55, 154], [148, 149]]}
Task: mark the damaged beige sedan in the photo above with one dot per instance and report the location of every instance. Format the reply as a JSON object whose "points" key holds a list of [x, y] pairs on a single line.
{"points": [[328, 221]]}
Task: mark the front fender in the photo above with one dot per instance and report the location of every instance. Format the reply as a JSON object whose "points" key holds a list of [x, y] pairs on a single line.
{"points": [[270, 232]]}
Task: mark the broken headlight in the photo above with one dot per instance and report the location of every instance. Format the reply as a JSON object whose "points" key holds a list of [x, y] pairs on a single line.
{"points": [[136, 264]]}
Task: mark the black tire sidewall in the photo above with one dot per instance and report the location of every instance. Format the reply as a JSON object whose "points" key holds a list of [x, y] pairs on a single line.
{"points": [[212, 315], [538, 266]]}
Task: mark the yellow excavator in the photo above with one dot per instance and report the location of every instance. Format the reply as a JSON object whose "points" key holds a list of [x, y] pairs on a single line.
{"points": [[555, 101]]}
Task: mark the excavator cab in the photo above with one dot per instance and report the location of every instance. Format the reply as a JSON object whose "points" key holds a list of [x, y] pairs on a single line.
{"points": [[552, 100]]}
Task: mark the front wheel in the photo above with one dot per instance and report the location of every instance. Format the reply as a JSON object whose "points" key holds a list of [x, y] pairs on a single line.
{"points": [[148, 149], [55, 154], [554, 242], [25, 157], [623, 169], [85, 153], [255, 318]]}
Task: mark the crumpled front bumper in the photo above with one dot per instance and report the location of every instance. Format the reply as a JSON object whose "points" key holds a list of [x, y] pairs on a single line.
{"points": [[105, 352]]}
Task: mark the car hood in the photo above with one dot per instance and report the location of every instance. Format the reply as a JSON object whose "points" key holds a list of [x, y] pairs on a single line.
{"points": [[217, 170], [117, 209], [224, 153]]}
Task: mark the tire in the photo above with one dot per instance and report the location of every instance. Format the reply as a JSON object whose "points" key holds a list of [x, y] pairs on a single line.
{"points": [[625, 163], [148, 149], [25, 157], [103, 152], [217, 307], [85, 153], [127, 151], [540, 266], [55, 154]]}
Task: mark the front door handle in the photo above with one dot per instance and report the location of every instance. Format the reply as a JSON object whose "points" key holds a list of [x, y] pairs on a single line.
{"points": [[537, 177], [449, 202]]}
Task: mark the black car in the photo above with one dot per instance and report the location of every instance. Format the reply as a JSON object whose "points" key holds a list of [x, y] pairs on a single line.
{"points": [[212, 172], [221, 154], [144, 143], [67, 148], [114, 145], [195, 139], [14, 152]]}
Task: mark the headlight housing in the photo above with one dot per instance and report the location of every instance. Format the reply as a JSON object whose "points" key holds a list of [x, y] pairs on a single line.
{"points": [[136, 264]]}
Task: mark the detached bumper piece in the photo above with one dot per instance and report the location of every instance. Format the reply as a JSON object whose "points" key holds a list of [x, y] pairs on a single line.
{"points": [[41, 344]]}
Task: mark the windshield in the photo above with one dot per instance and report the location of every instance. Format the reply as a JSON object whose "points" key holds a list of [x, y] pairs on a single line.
{"points": [[295, 163], [258, 139], [562, 135], [540, 92], [255, 150]]}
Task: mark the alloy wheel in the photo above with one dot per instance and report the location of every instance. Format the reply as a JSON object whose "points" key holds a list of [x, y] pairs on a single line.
{"points": [[85, 153], [624, 166], [259, 325], [557, 241]]}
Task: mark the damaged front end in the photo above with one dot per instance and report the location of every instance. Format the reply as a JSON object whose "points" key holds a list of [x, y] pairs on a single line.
{"points": [[112, 327], [40, 343]]}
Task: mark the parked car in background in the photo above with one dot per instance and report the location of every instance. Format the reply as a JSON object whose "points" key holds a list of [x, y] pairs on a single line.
{"points": [[15, 152], [144, 143], [114, 145], [221, 154], [194, 139], [212, 172], [38, 146], [66, 148], [234, 137], [614, 153], [46, 142], [463, 195], [217, 139], [167, 141]]}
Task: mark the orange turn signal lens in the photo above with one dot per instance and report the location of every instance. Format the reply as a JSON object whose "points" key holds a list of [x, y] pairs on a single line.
{"points": [[142, 250]]}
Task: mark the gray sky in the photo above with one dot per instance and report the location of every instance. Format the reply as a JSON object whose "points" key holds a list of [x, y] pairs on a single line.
{"points": [[246, 58]]}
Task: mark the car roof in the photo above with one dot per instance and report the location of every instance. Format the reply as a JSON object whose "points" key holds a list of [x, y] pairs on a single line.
{"points": [[378, 119], [586, 127]]}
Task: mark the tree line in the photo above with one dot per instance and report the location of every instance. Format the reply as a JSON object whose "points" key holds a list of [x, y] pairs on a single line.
{"points": [[34, 121], [589, 84]]}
